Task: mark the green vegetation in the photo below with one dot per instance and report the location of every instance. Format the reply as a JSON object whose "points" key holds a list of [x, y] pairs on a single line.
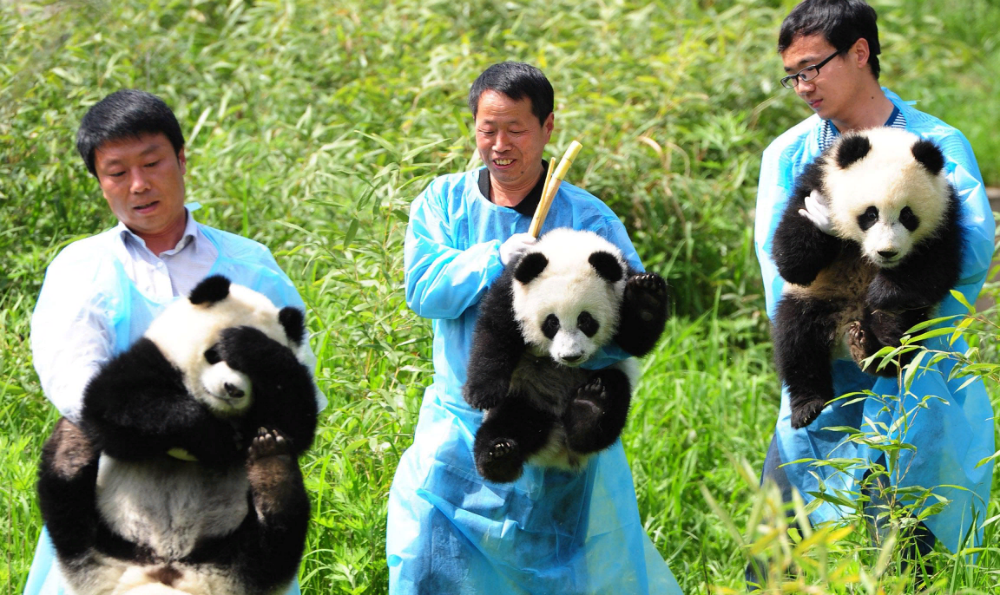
{"points": [[311, 126]]}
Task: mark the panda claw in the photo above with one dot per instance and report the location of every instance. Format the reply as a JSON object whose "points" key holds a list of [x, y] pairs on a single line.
{"points": [[594, 392], [268, 443], [649, 293], [500, 461], [806, 413]]}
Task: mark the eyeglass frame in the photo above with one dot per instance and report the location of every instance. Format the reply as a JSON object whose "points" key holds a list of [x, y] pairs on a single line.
{"points": [[792, 81]]}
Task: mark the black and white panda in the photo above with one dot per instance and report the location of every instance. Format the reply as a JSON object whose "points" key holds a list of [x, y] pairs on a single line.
{"points": [[893, 253], [551, 311], [183, 475]]}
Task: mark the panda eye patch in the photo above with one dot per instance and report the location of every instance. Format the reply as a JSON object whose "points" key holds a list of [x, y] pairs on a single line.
{"points": [[909, 219], [868, 218], [551, 326], [586, 323], [212, 355]]}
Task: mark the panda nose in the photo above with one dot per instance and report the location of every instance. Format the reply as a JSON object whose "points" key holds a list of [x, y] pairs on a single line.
{"points": [[572, 358], [887, 253], [233, 391]]}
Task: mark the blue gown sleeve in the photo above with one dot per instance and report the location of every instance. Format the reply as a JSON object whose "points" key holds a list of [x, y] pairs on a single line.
{"points": [[442, 278]]}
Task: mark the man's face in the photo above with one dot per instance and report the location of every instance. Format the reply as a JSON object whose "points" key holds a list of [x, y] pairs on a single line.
{"points": [[510, 140], [832, 93], [143, 182]]}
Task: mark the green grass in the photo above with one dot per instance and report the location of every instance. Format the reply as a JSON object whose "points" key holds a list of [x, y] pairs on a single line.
{"points": [[312, 125]]}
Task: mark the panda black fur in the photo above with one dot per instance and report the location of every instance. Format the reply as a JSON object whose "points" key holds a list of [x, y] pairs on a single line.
{"points": [[895, 254], [218, 378], [547, 314]]}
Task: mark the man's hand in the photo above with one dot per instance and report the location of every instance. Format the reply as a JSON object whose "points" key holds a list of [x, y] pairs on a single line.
{"points": [[515, 246], [817, 212]]}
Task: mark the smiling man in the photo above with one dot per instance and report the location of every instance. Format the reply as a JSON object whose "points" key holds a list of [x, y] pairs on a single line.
{"points": [[449, 530], [830, 50], [100, 293]]}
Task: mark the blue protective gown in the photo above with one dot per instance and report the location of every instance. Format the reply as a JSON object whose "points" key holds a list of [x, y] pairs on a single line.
{"points": [[950, 437], [89, 277], [449, 530]]}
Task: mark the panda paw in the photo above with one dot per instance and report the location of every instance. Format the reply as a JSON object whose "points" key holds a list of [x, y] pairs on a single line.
{"points": [[268, 443], [68, 451], [863, 344], [857, 342], [806, 413], [500, 460], [648, 293]]}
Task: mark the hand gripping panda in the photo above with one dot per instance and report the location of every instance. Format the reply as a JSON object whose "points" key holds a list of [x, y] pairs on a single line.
{"points": [[548, 313], [218, 377], [892, 252]]}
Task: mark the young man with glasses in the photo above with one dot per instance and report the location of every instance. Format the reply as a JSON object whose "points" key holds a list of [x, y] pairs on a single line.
{"points": [[830, 53]]}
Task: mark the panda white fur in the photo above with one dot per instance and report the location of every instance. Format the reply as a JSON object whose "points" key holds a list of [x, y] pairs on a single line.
{"points": [[550, 312], [219, 377], [894, 254]]}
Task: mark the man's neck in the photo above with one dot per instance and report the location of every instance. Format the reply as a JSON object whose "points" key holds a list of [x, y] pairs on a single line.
{"points": [[167, 239], [871, 109], [511, 196], [527, 204]]}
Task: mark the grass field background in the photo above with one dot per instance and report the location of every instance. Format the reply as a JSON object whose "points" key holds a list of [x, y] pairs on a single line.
{"points": [[312, 125]]}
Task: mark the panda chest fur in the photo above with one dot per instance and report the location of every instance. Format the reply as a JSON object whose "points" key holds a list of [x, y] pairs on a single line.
{"points": [[545, 383], [170, 505], [846, 279]]}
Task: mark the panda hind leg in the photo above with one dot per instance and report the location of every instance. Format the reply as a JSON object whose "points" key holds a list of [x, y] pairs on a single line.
{"points": [[282, 512], [597, 413], [67, 478], [802, 350], [510, 434]]}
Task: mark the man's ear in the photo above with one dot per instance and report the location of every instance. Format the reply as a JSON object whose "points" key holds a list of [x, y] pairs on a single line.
{"points": [[549, 125], [182, 160], [861, 52]]}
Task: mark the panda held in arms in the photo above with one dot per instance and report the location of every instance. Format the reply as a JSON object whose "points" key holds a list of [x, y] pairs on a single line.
{"points": [[183, 475], [551, 311], [891, 253]]}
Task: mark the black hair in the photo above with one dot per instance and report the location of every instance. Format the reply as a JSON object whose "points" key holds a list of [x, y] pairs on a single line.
{"points": [[515, 80], [125, 114], [842, 23]]}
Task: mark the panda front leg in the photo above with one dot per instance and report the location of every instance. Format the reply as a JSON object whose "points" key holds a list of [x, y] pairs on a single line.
{"points": [[802, 333], [510, 434], [272, 552], [598, 410], [67, 478], [643, 313]]}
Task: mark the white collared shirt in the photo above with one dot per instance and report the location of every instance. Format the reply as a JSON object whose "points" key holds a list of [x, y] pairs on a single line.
{"points": [[174, 272], [69, 345]]}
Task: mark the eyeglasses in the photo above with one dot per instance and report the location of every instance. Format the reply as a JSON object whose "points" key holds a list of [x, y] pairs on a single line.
{"points": [[806, 74]]}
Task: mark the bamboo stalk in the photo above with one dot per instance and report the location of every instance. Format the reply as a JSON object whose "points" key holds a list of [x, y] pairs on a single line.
{"points": [[551, 186]]}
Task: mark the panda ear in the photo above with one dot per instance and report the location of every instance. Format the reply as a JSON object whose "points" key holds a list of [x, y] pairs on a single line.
{"points": [[607, 266], [852, 149], [530, 266], [210, 290], [294, 323], [929, 155]]}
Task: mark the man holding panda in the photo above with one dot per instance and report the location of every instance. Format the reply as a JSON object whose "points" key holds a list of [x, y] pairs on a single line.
{"points": [[449, 530], [830, 53], [100, 293]]}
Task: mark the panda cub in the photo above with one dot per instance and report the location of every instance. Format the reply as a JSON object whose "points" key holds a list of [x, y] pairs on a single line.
{"points": [[551, 311], [893, 252], [183, 475]]}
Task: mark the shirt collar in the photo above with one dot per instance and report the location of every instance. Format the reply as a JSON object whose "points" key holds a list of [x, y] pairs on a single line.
{"points": [[529, 203], [190, 234]]}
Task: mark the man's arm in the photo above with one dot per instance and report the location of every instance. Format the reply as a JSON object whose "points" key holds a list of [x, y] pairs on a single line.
{"points": [[443, 281], [71, 335]]}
